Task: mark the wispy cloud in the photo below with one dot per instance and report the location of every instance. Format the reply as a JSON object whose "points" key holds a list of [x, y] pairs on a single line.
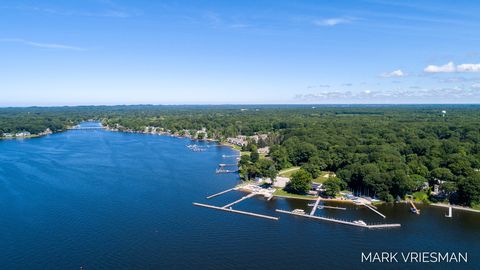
{"points": [[109, 9], [410, 93], [333, 21], [395, 73], [319, 86], [216, 21], [43, 45], [450, 67]]}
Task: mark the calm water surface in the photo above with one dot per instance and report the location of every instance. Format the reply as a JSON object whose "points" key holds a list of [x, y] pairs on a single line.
{"points": [[104, 200]]}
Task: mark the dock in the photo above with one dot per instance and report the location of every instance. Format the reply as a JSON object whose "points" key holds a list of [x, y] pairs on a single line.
{"points": [[351, 223], [227, 165], [414, 208], [221, 192], [239, 200], [329, 207], [374, 210], [235, 211], [230, 156], [315, 206], [225, 171]]}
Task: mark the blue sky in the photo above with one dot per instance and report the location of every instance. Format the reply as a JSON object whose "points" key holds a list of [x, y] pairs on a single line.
{"points": [[56, 52]]}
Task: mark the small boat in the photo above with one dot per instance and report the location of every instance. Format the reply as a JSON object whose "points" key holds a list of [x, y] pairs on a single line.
{"points": [[299, 211], [360, 222], [414, 210]]}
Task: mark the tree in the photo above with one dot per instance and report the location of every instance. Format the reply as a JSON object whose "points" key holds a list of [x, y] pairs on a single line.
{"points": [[254, 156], [267, 168], [314, 166], [469, 190], [441, 174], [280, 156], [300, 182], [333, 186]]}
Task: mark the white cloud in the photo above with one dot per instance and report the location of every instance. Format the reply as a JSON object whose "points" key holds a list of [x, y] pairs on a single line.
{"points": [[450, 67], [468, 68], [395, 73], [476, 85], [43, 45], [332, 21]]}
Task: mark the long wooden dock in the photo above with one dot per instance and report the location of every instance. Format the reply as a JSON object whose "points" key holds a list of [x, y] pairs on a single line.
{"points": [[239, 200], [221, 192], [374, 210], [416, 211], [235, 211], [375, 226]]}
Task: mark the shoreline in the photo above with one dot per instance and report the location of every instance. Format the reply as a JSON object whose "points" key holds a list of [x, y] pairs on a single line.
{"points": [[232, 147]]}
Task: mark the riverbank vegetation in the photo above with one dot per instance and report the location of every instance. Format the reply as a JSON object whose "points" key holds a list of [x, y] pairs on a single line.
{"points": [[382, 151]]}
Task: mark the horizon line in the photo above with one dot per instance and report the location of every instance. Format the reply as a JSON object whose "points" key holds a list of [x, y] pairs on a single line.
{"points": [[235, 104]]}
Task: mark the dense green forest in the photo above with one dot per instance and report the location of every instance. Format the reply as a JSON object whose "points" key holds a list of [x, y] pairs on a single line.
{"points": [[384, 151]]}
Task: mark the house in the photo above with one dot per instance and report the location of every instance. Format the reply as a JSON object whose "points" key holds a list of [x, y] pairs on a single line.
{"points": [[264, 150], [7, 135], [316, 186], [201, 134], [239, 140], [23, 134], [258, 137]]}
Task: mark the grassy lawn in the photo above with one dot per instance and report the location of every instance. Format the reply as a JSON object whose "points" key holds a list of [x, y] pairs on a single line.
{"points": [[281, 192], [420, 196], [288, 172]]}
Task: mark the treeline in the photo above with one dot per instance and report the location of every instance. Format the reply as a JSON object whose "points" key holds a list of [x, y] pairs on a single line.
{"points": [[383, 151]]}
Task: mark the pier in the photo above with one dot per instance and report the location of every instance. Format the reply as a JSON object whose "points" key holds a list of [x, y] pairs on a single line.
{"points": [[225, 171], [329, 207], [315, 206], [230, 156], [351, 223], [221, 192], [414, 208], [239, 200], [449, 215], [235, 211], [374, 210]]}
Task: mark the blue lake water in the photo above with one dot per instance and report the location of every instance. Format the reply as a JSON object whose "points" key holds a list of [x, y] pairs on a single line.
{"points": [[95, 199]]}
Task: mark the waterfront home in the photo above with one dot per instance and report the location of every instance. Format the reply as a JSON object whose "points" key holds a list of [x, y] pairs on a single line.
{"points": [[201, 134], [239, 140], [23, 134], [257, 137], [317, 186], [264, 150], [47, 131], [7, 135]]}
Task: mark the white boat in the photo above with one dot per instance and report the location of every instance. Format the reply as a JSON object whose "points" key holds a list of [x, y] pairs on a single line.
{"points": [[360, 222], [299, 211]]}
